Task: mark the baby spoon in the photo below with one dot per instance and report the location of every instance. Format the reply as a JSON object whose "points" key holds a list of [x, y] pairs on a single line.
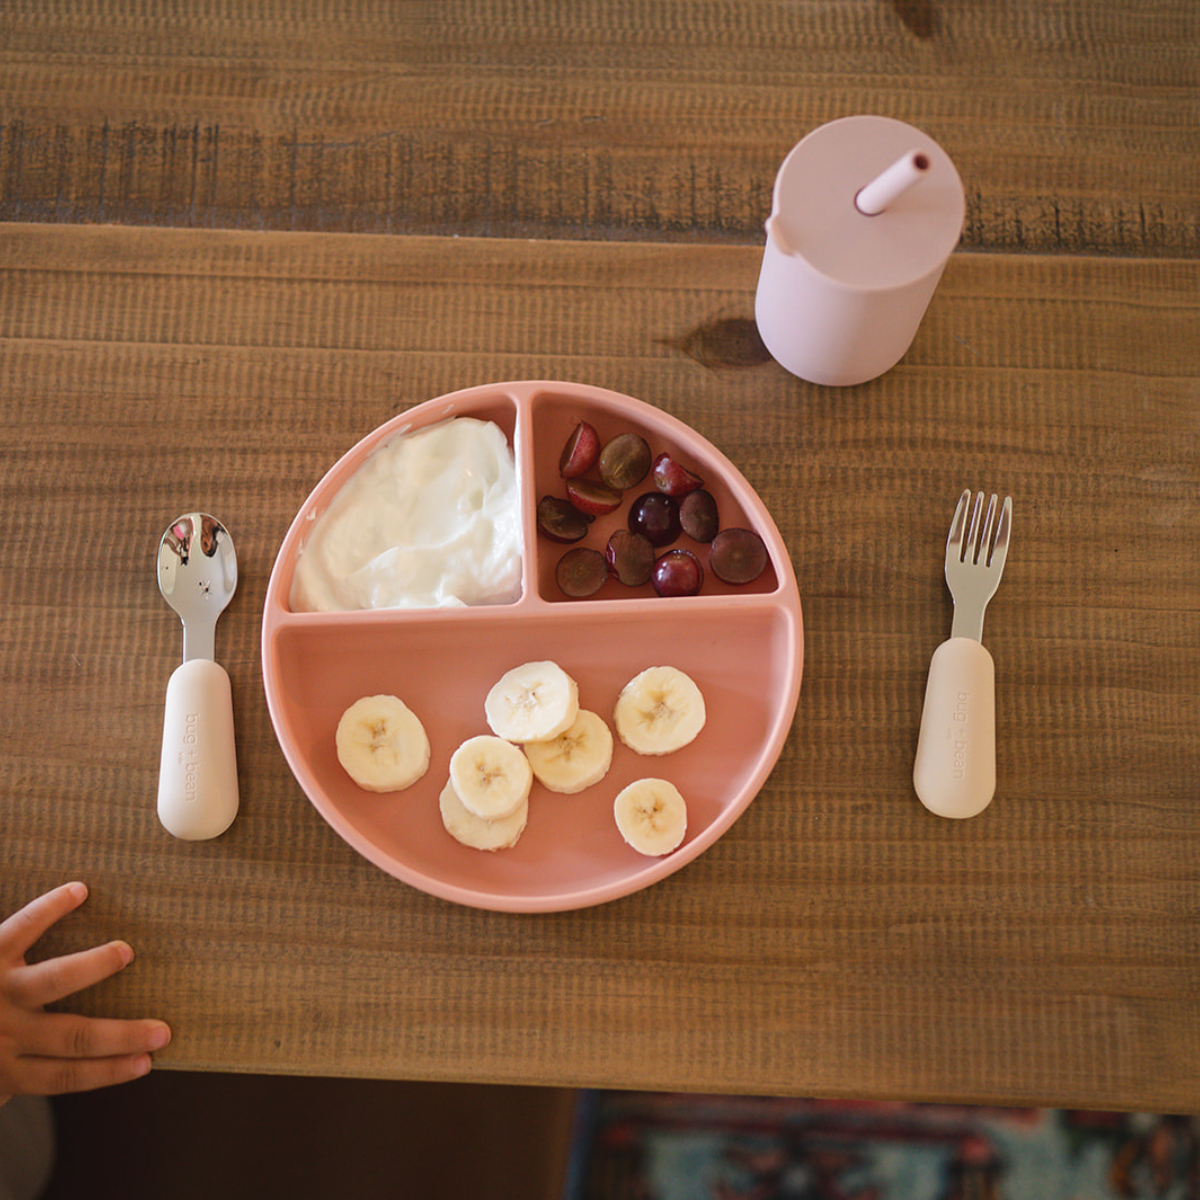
{"points": [[197, 779]]}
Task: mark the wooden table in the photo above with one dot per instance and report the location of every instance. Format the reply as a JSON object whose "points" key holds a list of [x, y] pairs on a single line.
{"points": [[234, 246]]}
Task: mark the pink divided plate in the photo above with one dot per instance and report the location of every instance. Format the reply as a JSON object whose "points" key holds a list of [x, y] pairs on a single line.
{"points": [[744, 647]]}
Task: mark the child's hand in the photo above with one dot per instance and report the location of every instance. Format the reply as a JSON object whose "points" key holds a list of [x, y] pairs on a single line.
{"points": [[45, 1053]]}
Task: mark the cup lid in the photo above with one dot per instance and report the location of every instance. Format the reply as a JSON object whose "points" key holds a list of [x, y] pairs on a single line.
{"points": [[816, 217]]}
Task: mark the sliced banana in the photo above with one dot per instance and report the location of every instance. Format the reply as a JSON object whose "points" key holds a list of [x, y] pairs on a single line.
{"points": [[659, 711], [491, 776], [464, 826], [382, 744], [651, 815], [577, 758], [532, 703]]}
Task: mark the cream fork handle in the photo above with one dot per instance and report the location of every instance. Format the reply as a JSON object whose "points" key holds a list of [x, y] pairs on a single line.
{"points": [[955, 768]]}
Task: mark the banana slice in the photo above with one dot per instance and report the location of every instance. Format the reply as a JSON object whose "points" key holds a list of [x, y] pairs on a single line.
{"points": [[651, 815], [577, 758], [491, 776], [659, 711], [464, 826], [382, 744], [532, 703]]}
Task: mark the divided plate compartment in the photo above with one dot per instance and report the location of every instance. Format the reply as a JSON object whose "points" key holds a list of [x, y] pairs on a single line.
{"points": [[742, 645]]}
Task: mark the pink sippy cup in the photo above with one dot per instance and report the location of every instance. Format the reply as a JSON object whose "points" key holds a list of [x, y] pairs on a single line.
{"points": [[866, 213]]}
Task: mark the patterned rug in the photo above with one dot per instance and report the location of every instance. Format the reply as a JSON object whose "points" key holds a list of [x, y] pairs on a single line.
{"points": [[635, 1146]]}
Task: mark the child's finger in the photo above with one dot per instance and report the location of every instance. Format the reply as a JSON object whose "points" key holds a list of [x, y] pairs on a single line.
{"points": [[54, 1076], [20, 931], [70, 1037], [56, 978]]}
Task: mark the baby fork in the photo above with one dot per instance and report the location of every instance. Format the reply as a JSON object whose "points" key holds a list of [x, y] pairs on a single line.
{"points": [[955, 769]]}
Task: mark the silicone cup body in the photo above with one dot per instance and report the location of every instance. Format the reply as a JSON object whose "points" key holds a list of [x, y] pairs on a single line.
{"points": [[841, 293], [828, 333], [955, 769], [197, 781]]}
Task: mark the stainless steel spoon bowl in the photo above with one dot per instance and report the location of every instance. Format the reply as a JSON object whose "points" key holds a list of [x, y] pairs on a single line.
{"points": [[197, 575], [197, 781]]}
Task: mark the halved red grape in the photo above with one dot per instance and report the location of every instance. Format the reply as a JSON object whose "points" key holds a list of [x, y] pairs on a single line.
{"points": [[625, 461], [677, 573], [560, 520], [581, 572], [580, 452], [698, 516], [656, 517], [593, 498], [672, 477], [737, 556], [630, 557]]}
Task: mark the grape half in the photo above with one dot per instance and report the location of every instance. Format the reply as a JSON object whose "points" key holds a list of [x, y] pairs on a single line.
{"points": [[672, 477], [592, 498], [678, 573], [630, 557], [561, 521], [580, 452], [581, 572], [737, 556], [698, 516], [625, 461]]}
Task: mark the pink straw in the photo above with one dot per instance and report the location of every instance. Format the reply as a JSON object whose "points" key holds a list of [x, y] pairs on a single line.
{"points": [[884, 189]]}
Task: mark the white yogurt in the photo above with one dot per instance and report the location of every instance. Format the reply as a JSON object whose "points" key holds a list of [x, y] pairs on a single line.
{"points": [[432, 519]]}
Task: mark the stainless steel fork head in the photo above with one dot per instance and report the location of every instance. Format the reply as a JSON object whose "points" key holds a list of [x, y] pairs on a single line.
{"points": [[975, 561]]}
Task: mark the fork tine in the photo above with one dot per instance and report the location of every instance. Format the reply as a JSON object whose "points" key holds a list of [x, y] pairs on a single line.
{"points": [[985, 538], [954, 543], [1000, 550], [973, 534]]}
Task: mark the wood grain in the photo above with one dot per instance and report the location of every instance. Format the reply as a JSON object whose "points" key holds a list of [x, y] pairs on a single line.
{"points": [[1075, 126], [838, 941]]}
